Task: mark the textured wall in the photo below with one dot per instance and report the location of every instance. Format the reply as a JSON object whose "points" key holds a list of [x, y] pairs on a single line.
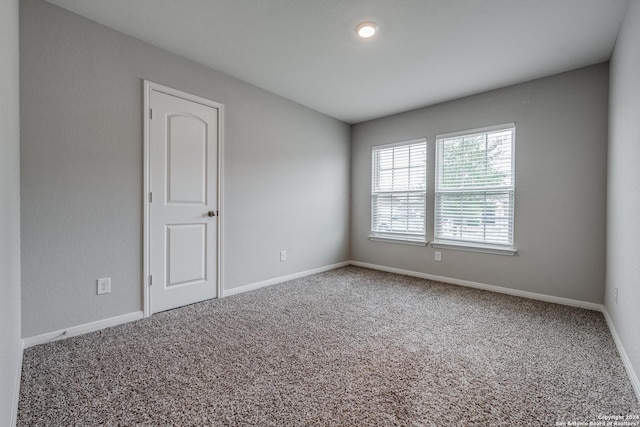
{"points": [[623, 213], [10, 343], [561, 134], [286, 180]]}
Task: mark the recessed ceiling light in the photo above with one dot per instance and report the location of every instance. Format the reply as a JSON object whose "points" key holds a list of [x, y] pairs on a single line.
{"points": [[367, 29]]}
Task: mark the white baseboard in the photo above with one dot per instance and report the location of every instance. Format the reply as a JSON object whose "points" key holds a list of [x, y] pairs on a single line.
{"points": [[81, 329], [16, 388], [258, 285], [492, 288], [633, 376], [125, 318]]}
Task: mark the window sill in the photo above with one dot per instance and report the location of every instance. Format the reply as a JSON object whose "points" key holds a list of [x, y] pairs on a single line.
{"points": [[399, 240], [496, 250]]}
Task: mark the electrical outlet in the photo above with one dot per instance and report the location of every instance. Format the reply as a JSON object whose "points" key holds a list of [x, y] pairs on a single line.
{"points": [[615, 295], [104, 285], [438, 256], [283, 256]]}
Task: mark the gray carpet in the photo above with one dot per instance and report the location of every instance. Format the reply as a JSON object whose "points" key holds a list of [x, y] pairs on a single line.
{"points": [[349, 347]]}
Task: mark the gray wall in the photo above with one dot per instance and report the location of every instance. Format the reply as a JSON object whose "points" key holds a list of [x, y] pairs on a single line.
{"points": [[10, 343], [561, 136], [286, 180], [623, 213]]}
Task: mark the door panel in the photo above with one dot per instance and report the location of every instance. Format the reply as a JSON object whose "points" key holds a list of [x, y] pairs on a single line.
{"points": [[187, 159], [183, 147], [186, 254]]}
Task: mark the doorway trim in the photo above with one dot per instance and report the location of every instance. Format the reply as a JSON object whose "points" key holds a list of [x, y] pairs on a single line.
{"points": [[146, 261]]}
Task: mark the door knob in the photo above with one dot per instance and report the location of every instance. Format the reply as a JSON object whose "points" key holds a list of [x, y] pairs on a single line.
{"points": [[211, 213]]}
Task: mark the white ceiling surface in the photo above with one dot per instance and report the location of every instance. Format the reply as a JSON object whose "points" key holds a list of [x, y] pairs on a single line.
{"points": [[426, 52]]}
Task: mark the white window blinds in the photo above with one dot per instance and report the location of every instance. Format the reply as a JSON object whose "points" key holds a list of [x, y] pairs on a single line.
{"points": [[474, 191], [398, 194]]}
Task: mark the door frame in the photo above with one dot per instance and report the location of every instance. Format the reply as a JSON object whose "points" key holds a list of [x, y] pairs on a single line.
{"points": [[146, 263]]}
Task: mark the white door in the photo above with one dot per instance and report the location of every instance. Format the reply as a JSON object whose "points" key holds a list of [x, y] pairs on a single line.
{"points": [[183, 211]]}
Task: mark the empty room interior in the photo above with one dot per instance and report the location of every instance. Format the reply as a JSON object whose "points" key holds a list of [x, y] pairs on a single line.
{"points": [[251, 213]]}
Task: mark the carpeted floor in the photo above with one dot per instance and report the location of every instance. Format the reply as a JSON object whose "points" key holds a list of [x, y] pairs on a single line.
{"points": [[349, 347]]}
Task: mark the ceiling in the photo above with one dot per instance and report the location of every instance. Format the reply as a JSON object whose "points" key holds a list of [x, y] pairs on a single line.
{"points": [[426, 52]]}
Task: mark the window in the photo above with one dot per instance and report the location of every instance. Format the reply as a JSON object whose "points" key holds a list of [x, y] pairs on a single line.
{"points": [[398, 194], [474, 191]]}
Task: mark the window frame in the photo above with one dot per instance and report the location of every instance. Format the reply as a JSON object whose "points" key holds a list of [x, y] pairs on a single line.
{"points": [[442, 242], [395, 237]]}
